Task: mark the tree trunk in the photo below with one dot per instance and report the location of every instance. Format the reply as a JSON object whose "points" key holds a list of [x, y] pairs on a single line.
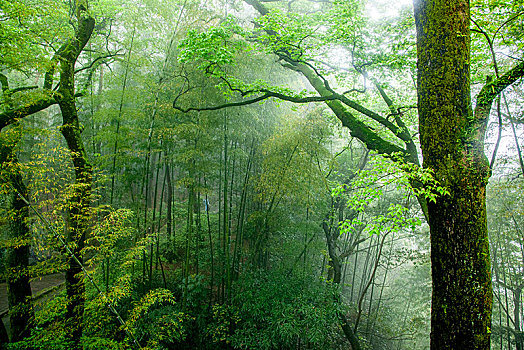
{"points": [[516, 314], [17, 256], [211, 253], [335, 275], [169, 202], [4, 338], [77, 221], [452, 146]]}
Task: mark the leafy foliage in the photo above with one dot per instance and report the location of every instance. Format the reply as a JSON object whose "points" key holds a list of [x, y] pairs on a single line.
{"points": [[276, 311]]}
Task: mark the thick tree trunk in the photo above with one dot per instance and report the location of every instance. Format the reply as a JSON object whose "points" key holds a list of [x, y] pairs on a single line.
{"points": [[17, 256], [452, 146]]}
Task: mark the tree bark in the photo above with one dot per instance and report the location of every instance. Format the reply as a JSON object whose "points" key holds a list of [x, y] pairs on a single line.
{"points": [[335, 275], [452, 145], [21, 313], [78, 209], [4, 338]]}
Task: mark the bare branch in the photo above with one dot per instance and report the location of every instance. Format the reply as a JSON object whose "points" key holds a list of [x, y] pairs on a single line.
{"points": [[96, 60], [266, 95]]}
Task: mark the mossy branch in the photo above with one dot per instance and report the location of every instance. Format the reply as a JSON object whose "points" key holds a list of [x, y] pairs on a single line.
{"points": [[11, 116], [493, 88]]}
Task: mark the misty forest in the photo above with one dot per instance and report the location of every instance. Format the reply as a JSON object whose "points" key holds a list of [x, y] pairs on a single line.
{"points": [[261, 174]]}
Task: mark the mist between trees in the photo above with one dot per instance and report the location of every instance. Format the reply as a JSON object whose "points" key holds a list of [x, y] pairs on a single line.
{"points": [[261, 174]]}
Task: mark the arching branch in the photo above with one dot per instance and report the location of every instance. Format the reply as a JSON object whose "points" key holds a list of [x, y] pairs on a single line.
{"points": [[491, 90], [267, 94]]}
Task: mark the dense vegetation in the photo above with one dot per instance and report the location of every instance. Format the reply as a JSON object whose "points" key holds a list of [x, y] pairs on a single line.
{"points": [[262, 174]]}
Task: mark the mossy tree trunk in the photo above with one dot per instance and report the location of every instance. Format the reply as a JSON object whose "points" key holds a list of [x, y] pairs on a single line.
{"points": [[79, 202], [452, 142]]}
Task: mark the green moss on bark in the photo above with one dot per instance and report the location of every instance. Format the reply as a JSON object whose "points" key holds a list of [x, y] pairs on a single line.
{"points": [[462, 294]]}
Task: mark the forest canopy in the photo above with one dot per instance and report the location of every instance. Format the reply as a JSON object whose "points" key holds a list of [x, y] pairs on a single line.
{"points": [[261, 174]]}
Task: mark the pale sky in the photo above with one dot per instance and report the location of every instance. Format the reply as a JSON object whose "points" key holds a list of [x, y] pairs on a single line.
{"points": [[378, 9]]}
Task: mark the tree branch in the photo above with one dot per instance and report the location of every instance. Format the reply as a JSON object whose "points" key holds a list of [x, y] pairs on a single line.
{"points": [[95, 61], [11, 116], [358, 128], [487, 95], [258, 6], [266, 95], [336, 102]]}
